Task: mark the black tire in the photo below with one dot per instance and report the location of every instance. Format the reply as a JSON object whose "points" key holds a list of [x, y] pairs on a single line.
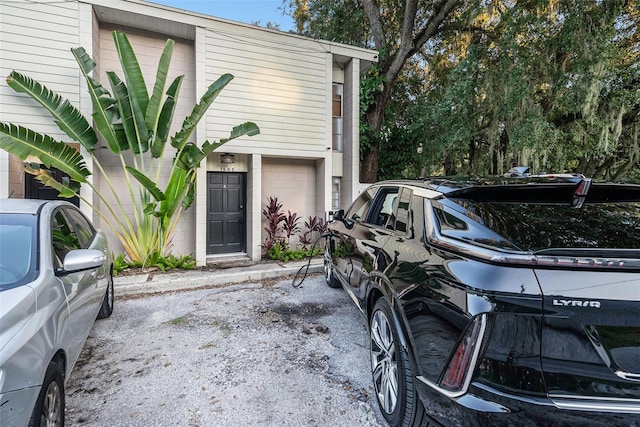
{"points": [[49, 409], [107, 302], [329, 274], [391, 370]]}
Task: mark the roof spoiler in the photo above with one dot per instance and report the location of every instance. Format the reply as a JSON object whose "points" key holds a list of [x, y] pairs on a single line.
{"points": [[550, 192], [580, 193]]}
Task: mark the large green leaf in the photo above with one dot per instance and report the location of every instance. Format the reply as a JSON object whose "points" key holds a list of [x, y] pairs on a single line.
{"points": [[147, 183], [189, 124], [166, 118], [247, 128], [132, 121], [190, 156], [178, 187], [23, 142], [104, 111], [152, 114], [65, 115], [65, 187], [132, 73]]}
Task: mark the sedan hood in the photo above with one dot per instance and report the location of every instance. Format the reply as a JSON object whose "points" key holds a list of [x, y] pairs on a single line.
{"points": [[17, 306]]}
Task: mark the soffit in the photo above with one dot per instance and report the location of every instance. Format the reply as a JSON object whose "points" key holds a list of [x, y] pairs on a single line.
{"points": [[145, 22]]}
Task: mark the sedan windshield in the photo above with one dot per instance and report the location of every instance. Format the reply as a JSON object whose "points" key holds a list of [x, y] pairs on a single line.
{"points": [[17, 249]]}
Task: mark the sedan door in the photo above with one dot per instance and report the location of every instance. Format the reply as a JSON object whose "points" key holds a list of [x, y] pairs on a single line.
{"points": [[80, 287]]}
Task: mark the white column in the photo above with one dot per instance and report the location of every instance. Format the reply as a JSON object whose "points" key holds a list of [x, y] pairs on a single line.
{"points": [[86, 35], [200, 203], [351, 136], [254, 207]]}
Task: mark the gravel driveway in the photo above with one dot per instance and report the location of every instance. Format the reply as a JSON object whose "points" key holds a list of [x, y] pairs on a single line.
{"points": [[258, 354]]}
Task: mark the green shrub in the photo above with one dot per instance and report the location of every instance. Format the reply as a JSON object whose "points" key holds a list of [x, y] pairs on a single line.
{"points": [[170, 262]]}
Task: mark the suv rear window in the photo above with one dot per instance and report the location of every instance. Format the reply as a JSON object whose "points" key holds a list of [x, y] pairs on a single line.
{"points": [[534, 227]]}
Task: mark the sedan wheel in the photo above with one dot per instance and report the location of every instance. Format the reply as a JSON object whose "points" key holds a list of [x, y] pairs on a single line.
{"points": [[49, 409], [392, 374], [107, 303]]}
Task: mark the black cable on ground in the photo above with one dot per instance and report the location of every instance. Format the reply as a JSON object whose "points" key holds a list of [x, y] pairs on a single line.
{"points": [[306, 267]]}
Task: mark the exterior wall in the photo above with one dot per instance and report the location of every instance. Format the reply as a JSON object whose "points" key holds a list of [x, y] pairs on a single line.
{"points": [[350, 182], [16, 178], [148, 48], [282, 82], [293, 182], [35, 39], [282, 88]]}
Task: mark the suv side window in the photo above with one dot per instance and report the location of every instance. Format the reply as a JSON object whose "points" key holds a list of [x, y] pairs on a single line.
{"points": [[83, 228], [382, 208], [63, 238], [401, 213], [360, 207]]}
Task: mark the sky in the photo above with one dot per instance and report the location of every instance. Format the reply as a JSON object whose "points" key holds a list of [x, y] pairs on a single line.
{"points": [[247, 11]]}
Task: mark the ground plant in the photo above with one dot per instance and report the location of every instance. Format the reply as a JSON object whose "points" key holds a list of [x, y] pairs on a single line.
{"points": [[282, 227], [133, 125]]}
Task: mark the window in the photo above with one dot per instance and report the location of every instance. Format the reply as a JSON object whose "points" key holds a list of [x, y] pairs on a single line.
{"points": [[380, 213], [360, 207], [402, 211], [83, 227], [63, 238], [336, 112], [335, 193], [18, 254]]}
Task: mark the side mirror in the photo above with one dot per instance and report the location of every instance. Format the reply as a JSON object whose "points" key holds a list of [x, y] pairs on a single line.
{"points": [[82, 259], [339, 216]]}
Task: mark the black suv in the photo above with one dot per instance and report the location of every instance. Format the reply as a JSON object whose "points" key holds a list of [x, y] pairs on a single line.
{"points": [[497, 302]]}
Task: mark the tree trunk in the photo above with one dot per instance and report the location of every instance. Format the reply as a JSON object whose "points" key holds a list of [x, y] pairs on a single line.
{"points": [[412, 39], [369, 165], [375, 118]]}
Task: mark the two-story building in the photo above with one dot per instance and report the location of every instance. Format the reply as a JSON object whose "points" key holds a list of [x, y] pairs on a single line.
{"points": [[302, 93]]}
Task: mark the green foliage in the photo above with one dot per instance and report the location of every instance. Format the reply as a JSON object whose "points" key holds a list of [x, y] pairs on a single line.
{"points": [[281, 251], [280, 228], [170, 262], [543, 90], [334, 20], [135, 127], [119, 264], [164, 263], [551, 85]]}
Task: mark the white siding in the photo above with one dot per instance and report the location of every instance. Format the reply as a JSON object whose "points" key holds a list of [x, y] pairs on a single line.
{"points": [[282, 83], [35, 40], [148, 48], [280, 87]]}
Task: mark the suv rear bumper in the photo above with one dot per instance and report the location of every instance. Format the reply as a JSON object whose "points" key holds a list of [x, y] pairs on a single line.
{"points": [[483, 405]]}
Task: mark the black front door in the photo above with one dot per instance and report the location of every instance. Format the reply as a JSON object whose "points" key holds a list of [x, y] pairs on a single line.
{"points": [[226, 226], [34, 189]]}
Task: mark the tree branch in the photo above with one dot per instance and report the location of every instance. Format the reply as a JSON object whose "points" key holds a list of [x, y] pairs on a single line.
{"points": [[371, 10]]}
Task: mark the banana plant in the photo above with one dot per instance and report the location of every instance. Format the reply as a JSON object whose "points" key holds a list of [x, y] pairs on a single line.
{"points": [[134, 126]]}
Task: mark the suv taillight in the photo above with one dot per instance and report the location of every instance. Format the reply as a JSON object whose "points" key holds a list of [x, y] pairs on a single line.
{"points": [[458, 374]]}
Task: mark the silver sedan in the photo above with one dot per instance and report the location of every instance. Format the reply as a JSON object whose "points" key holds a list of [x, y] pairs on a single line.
{"points": [[56, 277]]}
